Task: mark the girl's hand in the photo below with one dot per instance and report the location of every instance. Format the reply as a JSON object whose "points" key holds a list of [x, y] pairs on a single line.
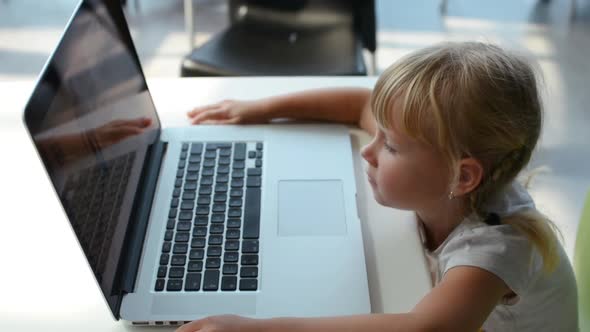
{"points": [[231, 112], [224, 323]]}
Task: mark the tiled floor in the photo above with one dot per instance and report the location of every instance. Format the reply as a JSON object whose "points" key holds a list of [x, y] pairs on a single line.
{"points": [[29, 30]]}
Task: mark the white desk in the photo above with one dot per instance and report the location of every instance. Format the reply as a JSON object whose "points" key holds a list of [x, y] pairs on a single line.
{"points": [[45, 282]]}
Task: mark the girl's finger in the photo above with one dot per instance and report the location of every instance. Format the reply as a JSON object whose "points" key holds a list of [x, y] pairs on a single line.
{"points": [[200, 109], [209, 115]]}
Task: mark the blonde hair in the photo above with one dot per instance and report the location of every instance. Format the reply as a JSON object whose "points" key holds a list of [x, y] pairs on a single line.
{"points": [[472, 99]]}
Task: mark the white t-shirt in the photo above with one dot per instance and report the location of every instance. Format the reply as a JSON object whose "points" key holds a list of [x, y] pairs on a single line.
{"points": [[543, 302]]}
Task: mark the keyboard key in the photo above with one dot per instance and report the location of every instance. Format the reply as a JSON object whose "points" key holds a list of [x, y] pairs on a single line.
{"points": [[252, 214], [237, 173], [201, 220], [223, 169], [234, 223], [216, 229], [175, 285], [198, 243], [258, 154], [192, 176], [176, 272], [190, 185], [168, 235], [215, 240], [208, 171], [160, 285], [229, 283], [248, 284], [258, 163], [239, 164], [232, 234], [166, 247], [187, 205], [184, 147], [180, 260], [171, 224], [176, 192], [237, 183], [236, 192], [205, 190], [164, 258], [232, 245], [259, 146], [211, 154], [206, 181], [253, 181], [202, 210], [209, 163], [220, 198], [221, 188], [193, 282], [249, 272], [162, 271], [193, 167], [186, 215], [234, 213], [214, 251], [250, 246], [183, 226], [204, 200], [213, 263], [197, 254], [240, 151], [254, 171], [200, 231], [194, 159], [251, 154], [174, 203], [180, 248], [182, 237], [211, 280], [195, 266], [217, 208], [230, 268], [224, 152], [196, 148], [224, 161], [231, 256], [188, 195], [172, 213], [247, 259], [235, 202], [222, 178]]}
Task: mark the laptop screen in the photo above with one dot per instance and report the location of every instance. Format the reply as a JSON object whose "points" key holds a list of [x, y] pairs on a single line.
{"points": [[92, 120]]}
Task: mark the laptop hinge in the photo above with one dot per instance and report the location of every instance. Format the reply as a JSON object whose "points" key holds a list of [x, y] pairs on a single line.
{"points": [[139, 221]]}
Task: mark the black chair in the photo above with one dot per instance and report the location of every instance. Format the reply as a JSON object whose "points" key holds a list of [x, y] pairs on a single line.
{"points": [[296, 37]]}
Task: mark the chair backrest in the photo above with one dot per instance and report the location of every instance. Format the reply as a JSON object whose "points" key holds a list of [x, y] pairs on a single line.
{"points": [[312, 13], [582, 266]]}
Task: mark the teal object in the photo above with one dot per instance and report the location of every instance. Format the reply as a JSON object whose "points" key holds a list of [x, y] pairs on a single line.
{"points": [[582, 266]]}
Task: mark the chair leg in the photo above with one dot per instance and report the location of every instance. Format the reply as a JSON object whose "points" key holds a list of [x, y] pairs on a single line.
{"points": [[373, 70], [443, 7], [189, 23]]}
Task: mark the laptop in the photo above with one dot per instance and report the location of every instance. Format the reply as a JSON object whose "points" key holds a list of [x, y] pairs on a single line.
{"points": [[182, 223]]}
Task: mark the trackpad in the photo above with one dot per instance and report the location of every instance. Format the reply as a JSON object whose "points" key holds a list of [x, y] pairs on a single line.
{"points": [[311, 207]]}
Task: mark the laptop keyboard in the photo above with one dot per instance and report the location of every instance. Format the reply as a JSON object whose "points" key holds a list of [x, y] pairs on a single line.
{"points": [[212, 235]]}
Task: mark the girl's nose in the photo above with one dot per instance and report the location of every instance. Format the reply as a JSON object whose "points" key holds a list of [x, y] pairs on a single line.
{"points": [[367, 153]]}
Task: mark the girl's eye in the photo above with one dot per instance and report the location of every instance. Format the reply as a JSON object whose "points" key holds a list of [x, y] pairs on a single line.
{"points": [[389, 148]]}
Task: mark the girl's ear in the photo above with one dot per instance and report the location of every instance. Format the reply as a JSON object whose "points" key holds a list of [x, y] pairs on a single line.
{"points": [[470, 175]]}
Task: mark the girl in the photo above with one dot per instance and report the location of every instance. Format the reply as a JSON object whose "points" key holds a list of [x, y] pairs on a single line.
{"points": [[453, 126]]}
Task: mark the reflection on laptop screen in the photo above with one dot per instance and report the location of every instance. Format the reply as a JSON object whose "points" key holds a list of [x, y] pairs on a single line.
{"points": [[92, 120]]}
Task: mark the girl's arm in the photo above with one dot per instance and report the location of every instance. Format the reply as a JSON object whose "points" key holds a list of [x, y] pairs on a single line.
{"points": [[461, 302], [344, 105]]}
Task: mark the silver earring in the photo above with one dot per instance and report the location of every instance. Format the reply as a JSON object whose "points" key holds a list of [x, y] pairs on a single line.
{"points": [[451, 195]]}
